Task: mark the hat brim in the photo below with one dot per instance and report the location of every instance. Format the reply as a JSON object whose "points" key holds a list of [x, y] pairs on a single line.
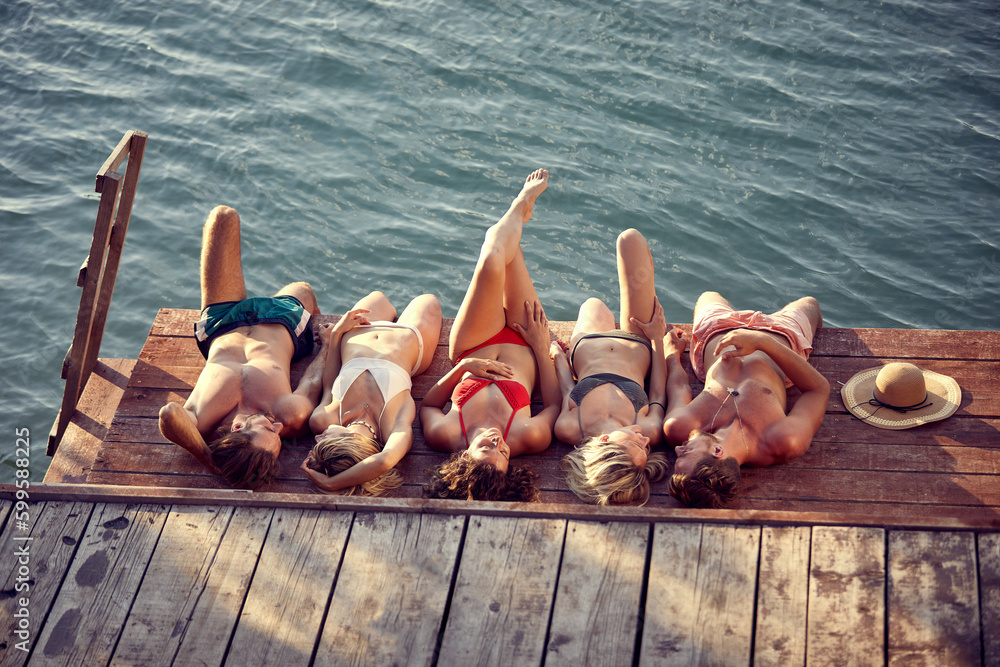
{"points": [[943, 395]]}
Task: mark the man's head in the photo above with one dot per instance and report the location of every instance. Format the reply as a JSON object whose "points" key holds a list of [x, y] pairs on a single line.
{"points": [[710, 482], [247, 455], [614, 468], [462, 477]]}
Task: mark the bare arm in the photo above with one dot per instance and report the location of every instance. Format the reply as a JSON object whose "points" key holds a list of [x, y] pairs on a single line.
{"points": [[440, 433], [397, 445], [655, 330], [676, 426], [311, 383], [788, 438], [539, 435], [566, 429], [180, 426]]}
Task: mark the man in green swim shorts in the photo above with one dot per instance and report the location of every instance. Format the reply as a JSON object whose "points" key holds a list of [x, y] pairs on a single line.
{"points": [[243, 403]]}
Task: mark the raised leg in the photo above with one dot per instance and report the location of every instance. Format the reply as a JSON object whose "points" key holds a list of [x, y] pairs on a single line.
{"points": [[707, 299], [500, 284], [221, 264], [379, 305], [636, 281], [424, 312], [810, 307], [304, 293]]}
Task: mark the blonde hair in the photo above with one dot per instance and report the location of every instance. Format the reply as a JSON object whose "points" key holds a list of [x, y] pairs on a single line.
{"points": [[603, 473], [334, 454]]}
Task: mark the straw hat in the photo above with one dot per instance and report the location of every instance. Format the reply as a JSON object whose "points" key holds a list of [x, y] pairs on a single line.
{"points": [[900, 395]]}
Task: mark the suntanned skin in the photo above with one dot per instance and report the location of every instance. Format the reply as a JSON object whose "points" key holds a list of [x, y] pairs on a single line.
{"points": [[755, 365], [248, 369], [606, 410], [501, 292], [353, 337]]}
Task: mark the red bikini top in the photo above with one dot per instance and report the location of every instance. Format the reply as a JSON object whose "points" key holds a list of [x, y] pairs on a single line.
{"points": [[515, 393]]}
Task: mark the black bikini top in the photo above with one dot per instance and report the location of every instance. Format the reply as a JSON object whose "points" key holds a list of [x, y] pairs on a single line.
{"points": [[632, 389]]}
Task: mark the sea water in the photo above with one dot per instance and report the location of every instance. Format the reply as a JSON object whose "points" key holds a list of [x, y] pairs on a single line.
{"points": [[767, 150]]}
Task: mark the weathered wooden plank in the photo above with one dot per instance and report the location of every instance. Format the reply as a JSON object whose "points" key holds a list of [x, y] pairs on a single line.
{"points": [[900, 457], [909, 343], [596, 613], [902, 515], [858, 342], [283, 612], [38, 544], [93, 603], [700, 595], [982, 520], [782, 596], [503, 596], [933, 599], [873, 486], [846, 621], [989, 595], [952, 432], [88, 426], [392, 592], [194, 586], [972, 377]]}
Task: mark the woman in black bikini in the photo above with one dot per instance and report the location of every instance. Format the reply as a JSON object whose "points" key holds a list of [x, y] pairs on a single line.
{"points": [[607, 414], [500, 344]]}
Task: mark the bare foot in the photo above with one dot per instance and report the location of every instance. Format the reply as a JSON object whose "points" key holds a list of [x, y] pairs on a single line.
{"points": [[534, 185]]}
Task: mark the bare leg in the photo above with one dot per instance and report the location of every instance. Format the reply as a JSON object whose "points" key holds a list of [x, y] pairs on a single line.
{"points": [[379, 305], [594, 317], [810, 307], [636, 281], [221, 265], [424, 312], [708, 299], [500, 281], [304, 293]]}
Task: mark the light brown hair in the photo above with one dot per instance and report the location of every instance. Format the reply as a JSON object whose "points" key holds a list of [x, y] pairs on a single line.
{"points": [[243, 464], [712, 483], [603, 473], [336, 453]]}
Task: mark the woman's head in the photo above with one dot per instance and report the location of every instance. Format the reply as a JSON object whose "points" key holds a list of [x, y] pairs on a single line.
{"points": [[612, 470], [334, 453], [712, 482], [489, 447], [462, 477]]}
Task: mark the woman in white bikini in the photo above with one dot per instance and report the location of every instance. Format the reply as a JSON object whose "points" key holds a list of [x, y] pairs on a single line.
{"points": [[364, 422], [607, 414]]}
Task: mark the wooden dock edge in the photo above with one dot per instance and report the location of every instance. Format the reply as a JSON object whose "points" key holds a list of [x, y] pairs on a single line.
{"points": [[90, 493]]}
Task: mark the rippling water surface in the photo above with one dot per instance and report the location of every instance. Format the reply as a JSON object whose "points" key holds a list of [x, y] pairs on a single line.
{"points": [[767, 150]]}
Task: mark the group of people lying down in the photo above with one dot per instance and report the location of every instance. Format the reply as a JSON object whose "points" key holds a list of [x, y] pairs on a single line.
{"points": [[614, 394]]}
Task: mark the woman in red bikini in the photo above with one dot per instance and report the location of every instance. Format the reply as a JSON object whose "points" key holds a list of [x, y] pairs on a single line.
{"points": [[500, 345]]}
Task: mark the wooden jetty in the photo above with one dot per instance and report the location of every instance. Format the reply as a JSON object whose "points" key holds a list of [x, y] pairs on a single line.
{"points": [[876, 547]]}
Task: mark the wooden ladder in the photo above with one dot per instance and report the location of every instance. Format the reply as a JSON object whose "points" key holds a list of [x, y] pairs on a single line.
{"points": [[98, 273]]}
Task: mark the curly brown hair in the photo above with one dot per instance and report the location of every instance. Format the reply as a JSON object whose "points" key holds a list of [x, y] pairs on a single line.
{"points": [[462, 478], [242, 464], [712, 483]]}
